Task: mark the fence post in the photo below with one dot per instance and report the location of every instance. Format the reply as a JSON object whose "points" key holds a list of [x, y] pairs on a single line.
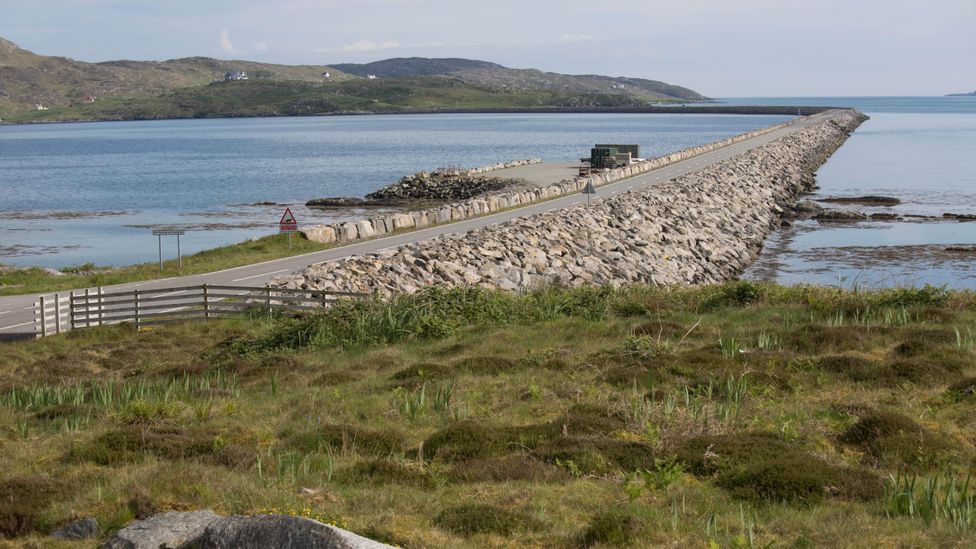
{"points": [[206, 302], [135, 308], [71, 310], [43, 317], [267, 290], [99, 305], [87, 307], [57, 313]]}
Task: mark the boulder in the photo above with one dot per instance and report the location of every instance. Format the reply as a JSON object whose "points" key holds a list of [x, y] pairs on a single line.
{"points": [[169, 530], [205, 530], [279, 531], [80, 529]]}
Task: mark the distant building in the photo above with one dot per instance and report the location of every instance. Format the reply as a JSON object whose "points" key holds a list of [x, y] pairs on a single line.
{"points": [[371, 77], [327, 75], [89, 99], [235, 75], [39, 107]]}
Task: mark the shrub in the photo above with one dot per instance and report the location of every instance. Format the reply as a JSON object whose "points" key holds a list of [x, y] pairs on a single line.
{"points": [[419, 372], [384, 471], [734, 294], [895, 440], [21, 501], [799, 479], [576, 439], [478, 519], [963, 390], [614, 527], [348, 438], [507, 468], [430, 313], [133, 443], [762, 466]]}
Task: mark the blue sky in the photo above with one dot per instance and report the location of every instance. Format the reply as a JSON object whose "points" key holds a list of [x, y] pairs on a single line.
{"points": [[720, 48]]}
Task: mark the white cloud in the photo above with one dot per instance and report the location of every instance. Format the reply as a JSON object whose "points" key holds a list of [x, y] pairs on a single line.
{"points": [[226, 44], [575, 38]]}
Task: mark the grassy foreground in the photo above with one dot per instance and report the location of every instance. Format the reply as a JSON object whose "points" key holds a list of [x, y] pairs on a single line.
{"points": [[728, 416], [37, 280]]}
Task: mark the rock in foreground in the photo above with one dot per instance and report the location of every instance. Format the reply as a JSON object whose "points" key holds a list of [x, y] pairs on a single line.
{"points": [[206, 530]]}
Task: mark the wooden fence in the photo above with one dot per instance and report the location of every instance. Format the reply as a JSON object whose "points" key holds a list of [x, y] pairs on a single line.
{"points": [[59, 313]]}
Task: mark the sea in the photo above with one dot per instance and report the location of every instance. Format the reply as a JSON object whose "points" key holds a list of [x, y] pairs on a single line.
{"points": [[920, 150], [92, 192]]}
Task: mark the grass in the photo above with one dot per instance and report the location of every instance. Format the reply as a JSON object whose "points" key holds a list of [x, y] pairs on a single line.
{"points": [[589, 417], [28, 281]]}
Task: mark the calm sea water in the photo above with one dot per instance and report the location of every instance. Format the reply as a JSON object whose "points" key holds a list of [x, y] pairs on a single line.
{"points": [[90, 192], [921, 150], [74, 193]]}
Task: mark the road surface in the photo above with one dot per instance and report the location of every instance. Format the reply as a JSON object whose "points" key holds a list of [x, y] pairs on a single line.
{"points": [[17, 312]]}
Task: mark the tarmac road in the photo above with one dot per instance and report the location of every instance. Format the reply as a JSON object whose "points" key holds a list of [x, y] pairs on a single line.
{"points": [[17, 312]]}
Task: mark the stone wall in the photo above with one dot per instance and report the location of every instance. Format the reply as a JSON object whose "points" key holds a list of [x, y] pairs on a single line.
{"points": [[703, 227], [380, 225]]}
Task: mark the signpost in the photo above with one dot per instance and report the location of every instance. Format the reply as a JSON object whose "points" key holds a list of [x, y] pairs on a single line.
{"points": [[288, 225], [588, 190], [159, 234]]}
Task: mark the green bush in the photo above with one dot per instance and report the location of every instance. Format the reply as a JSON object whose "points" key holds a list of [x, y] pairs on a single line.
{"points": [[480, 519], [615, 527], [764, 467], [963, 390], [895, 440]]}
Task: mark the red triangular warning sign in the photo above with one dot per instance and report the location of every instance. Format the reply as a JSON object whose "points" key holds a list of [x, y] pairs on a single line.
{"points": [[288, 218]]}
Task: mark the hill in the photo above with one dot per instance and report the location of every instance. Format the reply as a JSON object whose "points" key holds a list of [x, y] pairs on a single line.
{"points": [[27, 78], [961, 94], [483, 73], [194, 87]]}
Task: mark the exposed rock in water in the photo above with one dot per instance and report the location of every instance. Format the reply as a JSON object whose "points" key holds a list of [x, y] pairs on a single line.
{"points": [[703, 227], [840, 215], [352, 202], [869, 200], [959, 217], [961, 249], [204, 529], [806, 208], [443, 186], [884, 216]]}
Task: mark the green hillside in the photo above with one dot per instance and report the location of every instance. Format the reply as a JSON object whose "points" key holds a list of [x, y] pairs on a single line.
{"points": [[195, 87]]}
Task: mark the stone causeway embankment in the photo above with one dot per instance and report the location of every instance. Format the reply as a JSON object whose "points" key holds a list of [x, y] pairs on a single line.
{"points": [[703, 227], [352, 231]]}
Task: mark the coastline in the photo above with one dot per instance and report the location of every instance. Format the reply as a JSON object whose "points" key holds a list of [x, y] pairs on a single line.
{"points": [[705, 108]]}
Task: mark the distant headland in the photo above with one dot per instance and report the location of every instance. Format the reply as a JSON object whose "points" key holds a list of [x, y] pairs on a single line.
{"points": [[972, 93], [37, 88]]}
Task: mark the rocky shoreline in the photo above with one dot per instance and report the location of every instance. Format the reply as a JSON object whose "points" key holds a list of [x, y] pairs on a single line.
{"points": [[700, 228]]}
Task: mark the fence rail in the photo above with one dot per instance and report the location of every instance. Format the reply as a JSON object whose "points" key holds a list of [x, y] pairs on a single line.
{"points": [[58, 313]]}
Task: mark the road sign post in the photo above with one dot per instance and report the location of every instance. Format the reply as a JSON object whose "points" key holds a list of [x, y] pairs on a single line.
{"points": [[159, 234], [288, 225], [589, 190]]}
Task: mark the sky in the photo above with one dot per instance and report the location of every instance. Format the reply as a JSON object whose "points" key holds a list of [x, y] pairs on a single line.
{"points": [[721, 48]]}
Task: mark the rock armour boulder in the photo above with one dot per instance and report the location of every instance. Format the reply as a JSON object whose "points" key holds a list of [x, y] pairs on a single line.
{"points": [[704, 227]]}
